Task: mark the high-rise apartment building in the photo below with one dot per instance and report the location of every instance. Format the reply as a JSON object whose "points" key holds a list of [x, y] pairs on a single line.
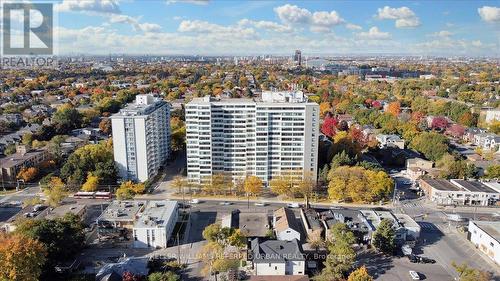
{"points": [[240, 137], [141, 137], [297, 57]]}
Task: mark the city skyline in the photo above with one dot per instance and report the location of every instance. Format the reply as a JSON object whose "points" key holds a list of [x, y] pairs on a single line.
{"points": [[278, 27]]}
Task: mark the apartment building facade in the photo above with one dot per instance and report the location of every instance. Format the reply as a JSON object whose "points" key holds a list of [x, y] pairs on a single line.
{"points": [[141, 137], [240, 137]]}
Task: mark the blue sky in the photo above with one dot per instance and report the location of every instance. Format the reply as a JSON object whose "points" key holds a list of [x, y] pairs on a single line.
{"points": [[279, 27]]}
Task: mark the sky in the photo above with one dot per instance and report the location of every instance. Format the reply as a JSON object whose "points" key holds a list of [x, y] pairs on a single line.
{"points": [[225, 27]]}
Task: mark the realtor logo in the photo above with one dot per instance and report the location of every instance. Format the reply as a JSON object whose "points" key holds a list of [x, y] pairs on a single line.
{"points": [[36, 19]]}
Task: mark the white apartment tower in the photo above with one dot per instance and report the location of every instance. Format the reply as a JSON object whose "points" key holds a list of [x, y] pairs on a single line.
{"points": [[241, 137], [141, 137]]}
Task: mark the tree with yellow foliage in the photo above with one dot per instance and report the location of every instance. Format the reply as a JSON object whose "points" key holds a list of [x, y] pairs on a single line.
{"points": [[253, 185], [91, 183], [360, 274], [21, 258], [55, 191]]}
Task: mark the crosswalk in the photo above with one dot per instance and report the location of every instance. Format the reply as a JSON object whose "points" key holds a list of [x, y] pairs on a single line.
{"points": [[415, 204]]}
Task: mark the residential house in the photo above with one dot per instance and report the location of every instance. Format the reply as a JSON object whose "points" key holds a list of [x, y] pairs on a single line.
{"points": [[312, 224], [470, 134], [275, 257], [390, 141], [286, 226], [250, 223], [353, 219]]}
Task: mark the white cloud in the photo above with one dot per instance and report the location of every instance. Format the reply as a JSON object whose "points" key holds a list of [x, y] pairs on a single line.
{"points": [[196, 2], [96, 6], [204, 27], [353, 26], [374, 34], [266, 25], [320, 21], [326, 19], [489, 14], [442, 33], [403, 16], [292, 14], [134, 22], [477, 43]]}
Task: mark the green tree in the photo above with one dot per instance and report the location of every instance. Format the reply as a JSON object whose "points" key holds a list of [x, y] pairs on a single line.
{"points": [[341, 254], [62, 237], [163, 276], [466, 273], [66, 119], [431, 144], [384, 237], [493, 172]]}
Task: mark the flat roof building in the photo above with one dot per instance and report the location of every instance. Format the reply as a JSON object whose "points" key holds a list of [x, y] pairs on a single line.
{"points": [[262, 137], [141, 137], [120, 214], [459, 192], [485, 235], [155, 224]]}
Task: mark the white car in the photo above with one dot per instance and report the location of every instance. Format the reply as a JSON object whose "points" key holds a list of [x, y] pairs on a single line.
{"points": [[414, 275], [195, 201], [261, 204], [293, 205], [225, 203]]}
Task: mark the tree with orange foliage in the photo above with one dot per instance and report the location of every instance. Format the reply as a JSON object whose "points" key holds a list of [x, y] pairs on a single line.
{"points": [[394, 108], [28, 174], [417, 116], [21, 258]]}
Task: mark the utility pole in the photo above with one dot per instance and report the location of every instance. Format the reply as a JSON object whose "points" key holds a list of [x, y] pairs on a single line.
{"points": [[178, 250]]}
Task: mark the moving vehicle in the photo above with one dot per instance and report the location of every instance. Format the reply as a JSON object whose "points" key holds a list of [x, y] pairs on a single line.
{"points": [[260, 204], [225, 203], [293, 205], [414, 275], [195, 201]]}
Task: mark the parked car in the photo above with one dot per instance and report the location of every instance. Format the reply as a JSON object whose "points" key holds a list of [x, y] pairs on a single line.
{"points": [[418, 259], [293, 205], [414, 275]]}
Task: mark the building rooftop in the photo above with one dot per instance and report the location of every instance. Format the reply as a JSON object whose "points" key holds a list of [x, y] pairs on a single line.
{"points": [[267, 97], [19, 158], [285, 218], [474, 186], [490, 227], [275, 251], [312, 219], [143, 105], [279, 278], [252, 224], [122, 211], [375, 217], [442, 184], [348, 216], [156, 214]]}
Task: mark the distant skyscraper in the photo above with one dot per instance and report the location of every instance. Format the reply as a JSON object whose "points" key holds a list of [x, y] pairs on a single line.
{"points": [[298, 57], [240, 137], [141, 137]]}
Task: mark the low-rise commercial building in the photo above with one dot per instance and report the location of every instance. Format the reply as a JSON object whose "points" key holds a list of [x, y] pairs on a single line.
{"points": [[312, 224], [405, 227], [352, 218], [275, 257], [485, 235], [120, 215], [154, 226], [459, 192]]}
